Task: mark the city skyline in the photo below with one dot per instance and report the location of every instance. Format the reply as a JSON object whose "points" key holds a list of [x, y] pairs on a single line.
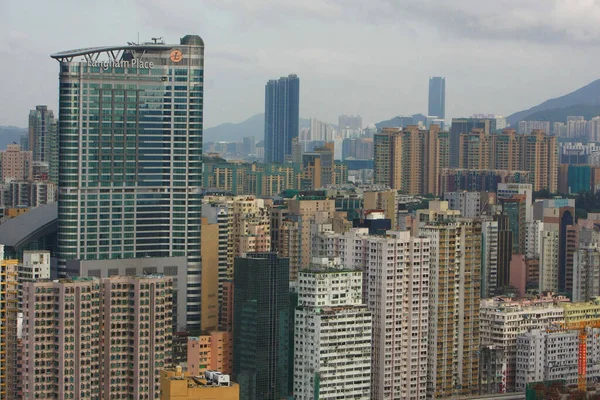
{"points": [[329, 65]]}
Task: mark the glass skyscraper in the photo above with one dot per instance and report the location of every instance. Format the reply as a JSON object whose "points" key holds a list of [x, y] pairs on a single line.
{"points": [[130, 155], [261, 326], [282, 102], [437, 97]]}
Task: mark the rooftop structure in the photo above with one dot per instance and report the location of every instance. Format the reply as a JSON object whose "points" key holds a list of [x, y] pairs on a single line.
{"points": [[178, 385]]}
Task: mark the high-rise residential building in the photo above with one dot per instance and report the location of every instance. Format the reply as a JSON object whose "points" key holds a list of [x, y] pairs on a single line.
{"points": [[552, 356], [130, 176], [539, 155], [332, 349], [462, 126], [474, 151], [386, 200], [507, 190], [387, 158], [410, 159], [317, 167], [282, 102], [474, 180], [437, 97], [468, 203], [27, 194], [43, 139], [249, 145], [210, 351], [399, 298], [502, 321], [358, 148], [9, 307], [397, 294], [586, 266], [489, 256], [35, 266], [17, 165], [261, 316], [292, 229], [528, 126], [110, 337], [209, 287], [455, 289], [350, 126], [320, 130]]}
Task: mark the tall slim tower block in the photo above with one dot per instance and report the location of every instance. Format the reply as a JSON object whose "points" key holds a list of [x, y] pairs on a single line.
{"points": [[437, 97], [43, 140], [332, 349], [130, 157], [455, 285], [282, 107]]}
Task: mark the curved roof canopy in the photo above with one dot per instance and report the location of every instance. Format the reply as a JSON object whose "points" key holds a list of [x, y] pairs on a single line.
{"points": [[29, 226]]}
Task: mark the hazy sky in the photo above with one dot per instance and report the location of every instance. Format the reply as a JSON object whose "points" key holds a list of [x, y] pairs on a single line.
{"points": [[371, 57]]}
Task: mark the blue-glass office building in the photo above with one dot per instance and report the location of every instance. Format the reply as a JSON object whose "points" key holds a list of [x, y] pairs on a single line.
{"points": [[282, 102], [130, 155]]}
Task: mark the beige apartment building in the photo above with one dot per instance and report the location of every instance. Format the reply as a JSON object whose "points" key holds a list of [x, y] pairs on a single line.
{"points": [[410, 159], [16, 164], [454, 283], [96, 338]]}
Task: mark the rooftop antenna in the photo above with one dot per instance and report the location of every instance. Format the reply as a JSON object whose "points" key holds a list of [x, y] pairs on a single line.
{"points": [[138, 42]]}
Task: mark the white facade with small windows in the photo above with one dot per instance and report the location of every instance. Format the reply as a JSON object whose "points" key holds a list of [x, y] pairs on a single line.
{"points": [[332, 341], [543, 356]]}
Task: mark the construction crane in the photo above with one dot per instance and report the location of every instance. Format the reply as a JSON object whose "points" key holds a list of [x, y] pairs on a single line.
{"points": [[581, 327]]}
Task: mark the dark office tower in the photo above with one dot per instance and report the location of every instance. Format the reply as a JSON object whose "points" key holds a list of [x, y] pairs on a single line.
{"points": [[437, 97], [261, 324], [505, 251], [43, 141], [567, 244], [282, 101], [130, 155]]}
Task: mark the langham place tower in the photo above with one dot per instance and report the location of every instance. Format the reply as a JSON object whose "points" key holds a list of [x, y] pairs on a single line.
{"points": [[130, 155]]}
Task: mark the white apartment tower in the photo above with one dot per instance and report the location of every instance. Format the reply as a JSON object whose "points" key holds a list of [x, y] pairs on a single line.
{"points": [[397, 270], [468, 203], [332, 349], [543, 356], [503, 320], [549, 258], [586, 266], [489, 260]]}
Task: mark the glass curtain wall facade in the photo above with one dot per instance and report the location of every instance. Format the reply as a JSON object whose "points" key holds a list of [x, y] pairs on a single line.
{"points": [[437, 97], [282, 108], [130, 155], [261, 326]]}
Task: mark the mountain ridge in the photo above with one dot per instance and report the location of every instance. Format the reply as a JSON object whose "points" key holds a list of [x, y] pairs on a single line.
{"points": [[586, 95]]}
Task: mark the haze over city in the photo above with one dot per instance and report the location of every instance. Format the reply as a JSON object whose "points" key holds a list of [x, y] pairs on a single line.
{"points": [[371, 58]]}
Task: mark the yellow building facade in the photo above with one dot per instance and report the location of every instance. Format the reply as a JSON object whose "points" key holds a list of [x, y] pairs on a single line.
{"points": [[178, 385], [582, 311]]}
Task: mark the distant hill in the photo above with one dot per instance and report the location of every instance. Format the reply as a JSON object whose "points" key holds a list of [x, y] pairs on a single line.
{"points": [[401, 121], [587, 95], [253, 126], [10, 134], [588, 111]]}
